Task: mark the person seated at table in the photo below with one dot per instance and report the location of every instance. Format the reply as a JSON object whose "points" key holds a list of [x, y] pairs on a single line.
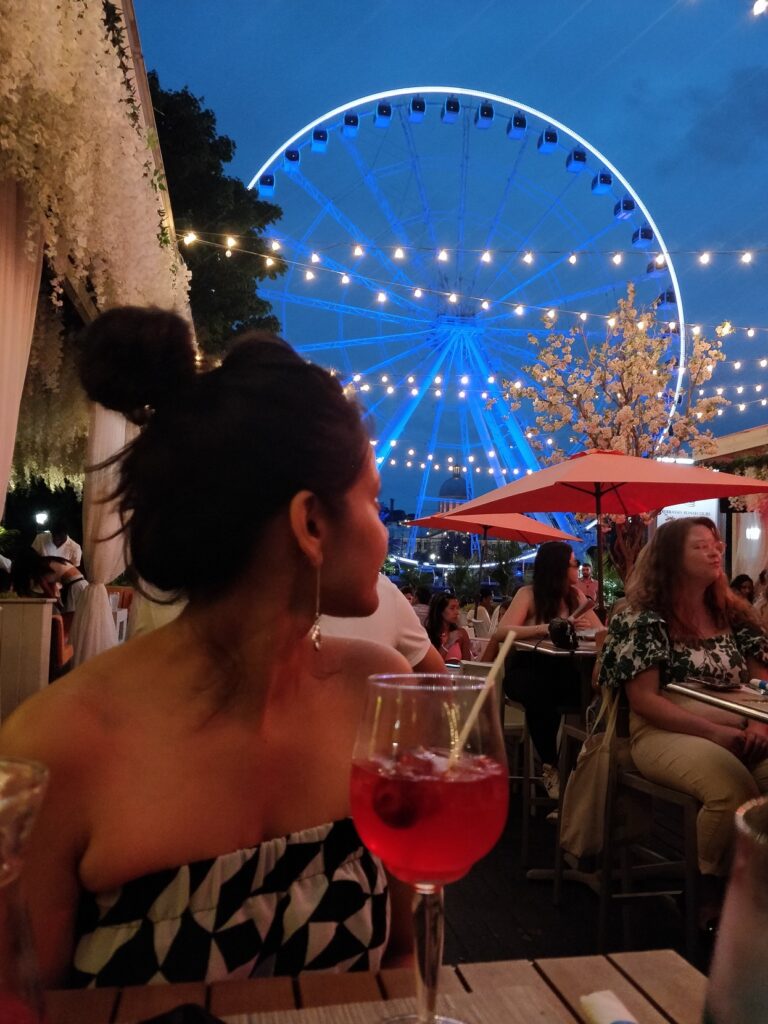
{"points": [[57, 542], [196, 825], [71, 580], [744, 587], [421, 607], [443, 629], [544, 688], [683, 621], [481, 612]]}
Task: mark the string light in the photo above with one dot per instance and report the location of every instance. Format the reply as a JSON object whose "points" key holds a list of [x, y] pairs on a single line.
{"points": [[572, 259], [399, 254], [486, 257], [443, 256], [230, 242], [528, 258], [358, 251]]}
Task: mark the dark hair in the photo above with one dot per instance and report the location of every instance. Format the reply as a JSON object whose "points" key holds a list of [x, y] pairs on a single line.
{"points": [[58, 525], [423, 595], [740, 580], [550, 580], [659, 567], [434, 621], [407, 589], [485, 592], [222, 452]]}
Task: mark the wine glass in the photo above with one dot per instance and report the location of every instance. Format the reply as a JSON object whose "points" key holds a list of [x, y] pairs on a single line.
{"points": [[22, 787], [429, 793], [737, 992]]}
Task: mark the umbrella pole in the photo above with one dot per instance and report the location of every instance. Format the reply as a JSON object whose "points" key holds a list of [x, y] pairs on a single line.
{"points": [[600, 602], [480, 567]]}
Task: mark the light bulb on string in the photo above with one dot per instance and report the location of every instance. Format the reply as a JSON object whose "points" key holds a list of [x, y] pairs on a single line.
{"points": [[231, 242], [442, 256], [269, 261], [345, 278], [750, 332], [528, 258], [228, 253], [660, 260], [381, 297], [275, 245], [705, 258], [572, 259], [695, 330], [519, 310], [189, 238], [314, 258], [485, 304], [399, 254], [358, 251], [417, 293], [486, 257], [746, 257], [617, 258], [309, 276], [453, 297], [582, 317], [759, 7]]}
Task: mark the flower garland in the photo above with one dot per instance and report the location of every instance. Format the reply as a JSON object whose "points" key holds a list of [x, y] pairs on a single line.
{"points": [[54, 414], [69, 133]]}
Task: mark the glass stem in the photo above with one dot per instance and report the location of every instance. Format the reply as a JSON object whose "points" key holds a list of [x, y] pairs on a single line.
{"points": [[428, 932]]}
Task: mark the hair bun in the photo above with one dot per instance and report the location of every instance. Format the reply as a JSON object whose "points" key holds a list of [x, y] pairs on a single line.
{"points": [[135, 358]]}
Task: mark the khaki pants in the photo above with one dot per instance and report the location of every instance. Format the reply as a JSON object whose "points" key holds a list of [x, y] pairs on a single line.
{"points": [[705, 770]]}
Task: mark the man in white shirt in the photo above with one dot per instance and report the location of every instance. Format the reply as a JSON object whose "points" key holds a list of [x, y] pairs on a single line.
{"points": [[57, 541], [394, 624], [586, 584]]}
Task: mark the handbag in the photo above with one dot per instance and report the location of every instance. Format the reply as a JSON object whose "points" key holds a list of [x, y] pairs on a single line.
{"points": [[562, 633], [582, 820]]}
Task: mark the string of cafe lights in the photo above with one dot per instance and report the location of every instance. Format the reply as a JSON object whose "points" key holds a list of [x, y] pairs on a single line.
{"points": [[387, 288]]}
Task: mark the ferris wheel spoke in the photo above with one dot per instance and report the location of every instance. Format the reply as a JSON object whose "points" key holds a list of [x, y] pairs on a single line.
{"points": [[312, 302], [426, 209], [396, 357], [362, 342], [370, 181], [556, 200]]}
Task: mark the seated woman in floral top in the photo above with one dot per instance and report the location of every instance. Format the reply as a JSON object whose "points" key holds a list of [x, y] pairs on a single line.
{"points": [[683, 620]]}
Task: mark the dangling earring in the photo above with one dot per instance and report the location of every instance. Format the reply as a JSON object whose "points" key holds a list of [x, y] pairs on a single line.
{"points": [[314, 634]]}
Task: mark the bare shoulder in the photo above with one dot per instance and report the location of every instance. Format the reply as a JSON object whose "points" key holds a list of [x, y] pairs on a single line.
{"points": [[362, 658], [70, 720]]}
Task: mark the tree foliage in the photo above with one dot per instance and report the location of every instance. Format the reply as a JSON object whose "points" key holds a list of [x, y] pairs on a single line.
{"points": [[223, 292], [618, 394]]}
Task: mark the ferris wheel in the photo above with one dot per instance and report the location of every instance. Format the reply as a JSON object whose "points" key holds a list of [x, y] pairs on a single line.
{"points": [[427, 232]]}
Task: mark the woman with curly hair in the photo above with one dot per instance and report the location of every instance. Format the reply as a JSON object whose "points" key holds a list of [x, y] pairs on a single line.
{"points": [[683, 621]]}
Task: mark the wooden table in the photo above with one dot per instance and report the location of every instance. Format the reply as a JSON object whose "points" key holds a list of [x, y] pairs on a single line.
{"points": [[658, 987], [744, 701]]}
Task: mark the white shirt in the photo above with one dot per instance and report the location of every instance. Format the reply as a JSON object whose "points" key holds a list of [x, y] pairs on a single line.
{"points": [[70, 549], [394, 624], [481, 620]]}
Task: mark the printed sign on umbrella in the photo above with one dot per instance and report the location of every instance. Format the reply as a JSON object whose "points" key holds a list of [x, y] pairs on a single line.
{"points": [[609, 483]]}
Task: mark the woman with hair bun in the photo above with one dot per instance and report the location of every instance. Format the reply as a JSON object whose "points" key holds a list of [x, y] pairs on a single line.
{"points": [[197, 821]]}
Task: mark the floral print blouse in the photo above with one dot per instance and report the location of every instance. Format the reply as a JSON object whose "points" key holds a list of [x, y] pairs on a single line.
{"points": [[638, 640]]}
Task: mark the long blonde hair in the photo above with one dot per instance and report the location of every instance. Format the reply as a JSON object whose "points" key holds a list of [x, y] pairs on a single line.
{"points": [[658, 569]]}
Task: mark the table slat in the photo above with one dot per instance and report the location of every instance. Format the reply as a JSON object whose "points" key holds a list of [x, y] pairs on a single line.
{"points": [[141, 1001], [519, 976], [319, 988], [400, 982], [668, 980], [573, 977], [80, 1006], [251, 995]]}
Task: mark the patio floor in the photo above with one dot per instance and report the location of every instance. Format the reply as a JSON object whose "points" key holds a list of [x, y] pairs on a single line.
{"points": [[495, 913]]}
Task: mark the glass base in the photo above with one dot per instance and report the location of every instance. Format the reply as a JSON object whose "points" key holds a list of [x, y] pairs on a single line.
{"points": [[414, 1018]]}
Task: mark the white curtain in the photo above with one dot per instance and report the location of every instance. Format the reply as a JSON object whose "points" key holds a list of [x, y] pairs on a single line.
{"points": [[20, 263], [93, 627], [749, 544]]}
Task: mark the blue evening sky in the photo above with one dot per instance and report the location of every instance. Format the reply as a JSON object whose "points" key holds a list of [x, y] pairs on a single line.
{"points": [[673, 92]]}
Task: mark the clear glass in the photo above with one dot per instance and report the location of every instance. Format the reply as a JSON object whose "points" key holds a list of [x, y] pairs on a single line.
{"points": [[22, 787], [428, 800], [738, 991]]}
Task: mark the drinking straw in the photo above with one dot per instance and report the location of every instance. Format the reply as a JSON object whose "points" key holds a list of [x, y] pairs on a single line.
{"points": [[493, 677]]}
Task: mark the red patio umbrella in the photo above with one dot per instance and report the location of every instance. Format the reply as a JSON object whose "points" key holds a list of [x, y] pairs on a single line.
{"points": [[498, 526], [608, 482]]}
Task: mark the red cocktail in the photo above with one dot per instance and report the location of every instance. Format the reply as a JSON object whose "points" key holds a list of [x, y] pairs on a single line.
{"points": [[429, 793], [414, 813]]}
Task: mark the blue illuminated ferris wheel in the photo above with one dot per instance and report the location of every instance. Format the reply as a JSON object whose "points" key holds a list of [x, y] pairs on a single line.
{"points": [[427, 232]]}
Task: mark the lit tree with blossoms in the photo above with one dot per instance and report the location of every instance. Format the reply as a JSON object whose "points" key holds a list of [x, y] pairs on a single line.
{"points": [[619, 394]]}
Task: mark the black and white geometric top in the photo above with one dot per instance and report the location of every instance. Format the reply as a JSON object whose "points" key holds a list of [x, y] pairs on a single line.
{"points": [[314, 900]]}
